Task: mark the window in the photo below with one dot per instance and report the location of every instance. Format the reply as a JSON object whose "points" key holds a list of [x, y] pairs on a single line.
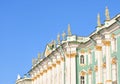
{"points": [[82, 81], [82, 59]]}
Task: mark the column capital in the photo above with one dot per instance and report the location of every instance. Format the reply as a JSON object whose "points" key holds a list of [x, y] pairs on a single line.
{"points": [[104, 65], [89, 71], [98, 48], [62, 59], [96, 68], [71, 55], [106, 42], [108, 80]]}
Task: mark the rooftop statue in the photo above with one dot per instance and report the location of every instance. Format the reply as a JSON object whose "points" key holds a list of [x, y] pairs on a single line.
{"points": [[107, 14], [63, 35], [69, 30]]}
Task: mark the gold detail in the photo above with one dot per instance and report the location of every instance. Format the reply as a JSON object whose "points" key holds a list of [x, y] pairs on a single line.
{"points": [[104, 65], [38, 75], [99, 48], [99, 83], [96, 68], [89, 50], [44, 71], [41, 73], [54, 65], [71, 55], [83, 73], [108, 80], [114, 61], [82, 51], [89, 71], [49, 68], [82, 64], [62, 59], [106, 43], [113, 35], [58, 62], [32, 79]]}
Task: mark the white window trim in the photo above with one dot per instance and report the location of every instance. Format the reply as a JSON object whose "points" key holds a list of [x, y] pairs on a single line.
{"points": [[84, 59]]}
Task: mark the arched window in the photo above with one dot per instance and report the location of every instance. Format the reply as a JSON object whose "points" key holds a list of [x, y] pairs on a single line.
{"points": [[82, 80], [82, 59]]}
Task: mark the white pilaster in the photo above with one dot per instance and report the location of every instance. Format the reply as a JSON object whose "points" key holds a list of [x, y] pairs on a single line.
{"points": [[104, 75], [54, 72], [68, 67], [99, 55], [90, 79], [41, 76], [45, 75], [62, 71], [114, 72], [73, 66], [58, 69], [49, 77], [108, 59]]}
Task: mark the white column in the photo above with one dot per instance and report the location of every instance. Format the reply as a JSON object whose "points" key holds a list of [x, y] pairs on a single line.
{"points": [[57, 74], [45, 75], [62, 70], [73, 66], [38, 75], [99, 55], [114, 72], [108, 65], [54, 72], [41, 76], [96, 76], [58, 69], [49, 77], [50, 72], [40, 79], [107, 44], [35, 78], [90, 79], [32, 78], [68, 65], [104, 75]]}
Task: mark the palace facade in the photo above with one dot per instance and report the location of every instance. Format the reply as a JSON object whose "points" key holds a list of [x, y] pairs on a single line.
{"points": [[80, 60]]}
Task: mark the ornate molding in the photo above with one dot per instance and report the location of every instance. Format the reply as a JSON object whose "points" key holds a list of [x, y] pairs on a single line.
{"points": [[114, 61], [99, 48], [82, 73], [96, 68], [62, 59], [106, 43], [104, 65], [108, 80], [72, 55], [58, 62], [89, 71], [54, 65]]}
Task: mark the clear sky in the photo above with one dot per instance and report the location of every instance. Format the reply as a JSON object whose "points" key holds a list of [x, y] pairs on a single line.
{"points": [[26, 26]]}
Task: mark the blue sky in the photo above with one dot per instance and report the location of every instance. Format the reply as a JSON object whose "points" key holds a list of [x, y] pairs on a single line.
{"points": [[26, 26]]}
